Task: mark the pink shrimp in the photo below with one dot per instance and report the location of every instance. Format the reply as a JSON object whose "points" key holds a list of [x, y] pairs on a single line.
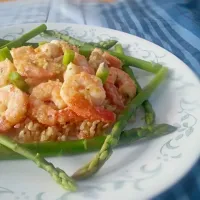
{"points": [[123, 81], [112, 61], [82, 61], [85, 95], [6, 67], [13, 107], [119, 85], [33, 64], [47, 106], [73, 69], [98, 56], [113, 95]]}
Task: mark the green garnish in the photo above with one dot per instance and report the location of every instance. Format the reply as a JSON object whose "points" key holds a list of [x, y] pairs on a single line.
{"points": [[102, 72], [68, 57], [16, 79], [5, 53]]}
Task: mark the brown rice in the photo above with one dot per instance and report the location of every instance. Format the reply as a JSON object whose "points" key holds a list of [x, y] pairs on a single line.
{"points": [[32, 131]]}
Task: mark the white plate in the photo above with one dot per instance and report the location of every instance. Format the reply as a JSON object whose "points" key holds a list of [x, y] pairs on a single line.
{"points": [[140, 171]]}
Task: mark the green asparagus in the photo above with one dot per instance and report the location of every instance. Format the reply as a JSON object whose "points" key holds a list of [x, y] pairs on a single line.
{"points": [[68, 57], [127, 60], [149, 112], [5, 53], [87, 145], [27, 36], [112, 140], [4, 42], [107, 44], [57, 174], [103, 44], [16, 79], [102, 72]]}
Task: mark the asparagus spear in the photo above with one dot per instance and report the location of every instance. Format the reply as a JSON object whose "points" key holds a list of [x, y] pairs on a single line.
{"points": [[68, 57], [4, 42], [102, 72], [16, 79], [57, 174], [103, 44], [27, 36], [5, 53], [87, 145], [127, 60], [149, 112], [112, 140]]}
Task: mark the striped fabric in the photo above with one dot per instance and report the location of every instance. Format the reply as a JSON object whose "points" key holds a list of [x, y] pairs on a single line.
{"points": [[172, 24], [161, 23]]}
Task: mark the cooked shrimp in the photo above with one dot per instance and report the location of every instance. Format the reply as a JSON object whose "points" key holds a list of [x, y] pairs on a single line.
{"points": [[5, 68], [73, 69], [123, 81], [32, 64], [96, 58], [13, 106], [84, 94], [64, 45], [32, 82], [113, 95], [49, 91], [82, 61], [47, 106], [112, 61], [50, 49]]}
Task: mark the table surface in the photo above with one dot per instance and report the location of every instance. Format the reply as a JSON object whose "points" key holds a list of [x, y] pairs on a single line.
{"points": [[172, 24]]}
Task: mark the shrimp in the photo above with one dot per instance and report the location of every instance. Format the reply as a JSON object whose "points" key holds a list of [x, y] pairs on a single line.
{"points": [[13, 107], [47, 106], [5, 68], [113, 95], [55, 48], [32, 82], [64, 45], [123, 81], [112, 61], [50, 50], [85, 95], [82, 61], [73, 69], [49, 91], [32, 64], [96, 58]]}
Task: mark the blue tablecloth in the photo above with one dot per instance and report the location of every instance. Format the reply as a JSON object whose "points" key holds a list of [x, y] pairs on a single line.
{"points": [[172, 24]]}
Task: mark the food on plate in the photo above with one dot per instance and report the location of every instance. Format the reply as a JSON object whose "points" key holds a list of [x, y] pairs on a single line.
{"points": [[71, 96]]}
